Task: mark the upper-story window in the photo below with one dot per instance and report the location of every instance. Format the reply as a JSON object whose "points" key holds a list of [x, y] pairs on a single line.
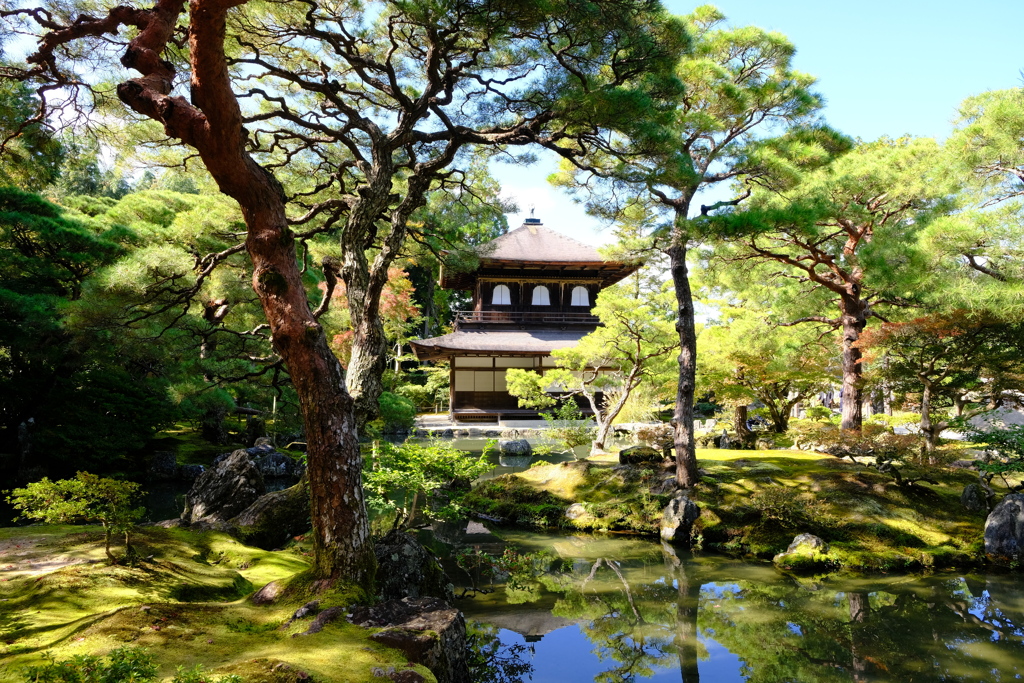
{"points": [[541, 296], [580, 297], [502, 296]]}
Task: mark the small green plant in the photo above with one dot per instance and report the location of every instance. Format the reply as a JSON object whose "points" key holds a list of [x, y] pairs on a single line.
{"points": [[779, 505], [783, 507], [197, 675], [86, 498], [567, 428], [123, 665]]}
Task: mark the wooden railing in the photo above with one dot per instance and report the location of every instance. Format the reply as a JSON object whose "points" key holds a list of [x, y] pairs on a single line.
{"points": [[550, 317]]}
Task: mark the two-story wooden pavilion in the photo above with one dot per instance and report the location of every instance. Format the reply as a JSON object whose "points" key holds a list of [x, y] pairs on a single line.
{"points": [[532, 293]]}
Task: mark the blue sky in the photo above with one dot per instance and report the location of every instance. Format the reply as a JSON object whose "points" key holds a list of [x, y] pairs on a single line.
{"points": [[885, 68]]}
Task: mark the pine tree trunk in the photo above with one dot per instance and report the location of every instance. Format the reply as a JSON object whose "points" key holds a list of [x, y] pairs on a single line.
{"points": [[682, 417], [778, 411], [740, 419], [853, 322], [364, 282], [211, 122], [369, 346], [928, 429], [604, 427], [341, 533]]}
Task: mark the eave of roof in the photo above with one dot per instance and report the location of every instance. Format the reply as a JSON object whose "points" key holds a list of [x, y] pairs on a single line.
{"points": [[496, 342]]}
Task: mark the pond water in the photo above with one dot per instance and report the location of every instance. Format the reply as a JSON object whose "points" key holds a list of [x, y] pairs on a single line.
{"points": [[616, 609]]}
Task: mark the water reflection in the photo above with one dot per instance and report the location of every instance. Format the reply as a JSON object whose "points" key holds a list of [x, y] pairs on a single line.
{"points": [[614, 610]]}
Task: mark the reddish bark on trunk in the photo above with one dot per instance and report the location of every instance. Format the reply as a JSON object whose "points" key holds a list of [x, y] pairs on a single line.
{"points": [[853, 322]]}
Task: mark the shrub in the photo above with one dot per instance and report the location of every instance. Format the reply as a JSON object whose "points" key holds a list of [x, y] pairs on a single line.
{"points": [[784, 508], [819, 413], [895, 420], [397, 476], [86, 498], [1005, 454], [891, 454], [420, 395], [396, 412]]}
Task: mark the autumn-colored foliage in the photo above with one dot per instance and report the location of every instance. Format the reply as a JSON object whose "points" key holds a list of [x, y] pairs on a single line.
{"points": [[397, 309]]}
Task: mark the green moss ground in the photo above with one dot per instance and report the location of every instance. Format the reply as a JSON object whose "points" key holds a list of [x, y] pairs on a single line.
{"points": [[754, 502], [187, 603]]}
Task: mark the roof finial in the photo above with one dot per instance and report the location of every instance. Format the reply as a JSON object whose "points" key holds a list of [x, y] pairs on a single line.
{"points": [[532, 222]]}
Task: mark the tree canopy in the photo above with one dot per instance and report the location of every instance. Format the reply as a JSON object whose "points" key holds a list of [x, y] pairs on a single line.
{"points": [[746, 115], [320, 117]]}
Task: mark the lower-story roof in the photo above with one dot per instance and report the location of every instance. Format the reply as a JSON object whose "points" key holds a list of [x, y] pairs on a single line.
{"points": [[496, 342]]}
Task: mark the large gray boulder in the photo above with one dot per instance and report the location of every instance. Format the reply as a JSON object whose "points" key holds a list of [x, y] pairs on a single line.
{"points": [[276, 464], [163, 466], [514, 447], [269, 461], [973, 498], [514, 453], [427, 630], [274, 517], [225, 490], [1004, 529], [803, 546], [678, 518], [405, 569], [641, 455]]}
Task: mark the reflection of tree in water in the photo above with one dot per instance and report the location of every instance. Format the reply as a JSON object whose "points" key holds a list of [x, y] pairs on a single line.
{"points": [[492, 662], [688, 585], [630, 623], [645, 613], [927, 630]]}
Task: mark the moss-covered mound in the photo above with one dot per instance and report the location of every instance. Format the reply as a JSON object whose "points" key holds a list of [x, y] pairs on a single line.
{"points": [[755, 502], [610, 498], [186, 602]]}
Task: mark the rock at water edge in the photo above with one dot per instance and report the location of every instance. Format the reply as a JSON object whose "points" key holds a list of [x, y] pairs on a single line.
{"points": [[515, 447], [427, 630], [406, 569], [1004, 529], [803, 544], [678, 518]]}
